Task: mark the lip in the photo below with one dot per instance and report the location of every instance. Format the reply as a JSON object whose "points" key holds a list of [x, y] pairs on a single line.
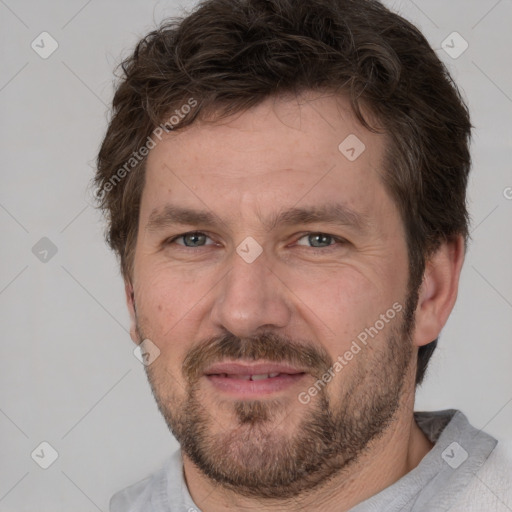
{"points": [[237, 385], [237, 368]]}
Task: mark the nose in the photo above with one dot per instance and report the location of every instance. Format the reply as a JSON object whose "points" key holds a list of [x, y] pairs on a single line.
{"points": [[250, 298]]}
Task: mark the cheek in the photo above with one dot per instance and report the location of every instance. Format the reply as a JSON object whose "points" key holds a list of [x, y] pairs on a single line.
{"points": [[167, 305], [341, 304], [169, 292]]}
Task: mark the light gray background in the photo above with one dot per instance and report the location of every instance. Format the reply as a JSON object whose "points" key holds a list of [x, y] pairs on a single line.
{"points": [[68, 375]]}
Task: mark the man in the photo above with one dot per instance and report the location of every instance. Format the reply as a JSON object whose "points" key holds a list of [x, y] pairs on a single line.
{"points": [[285, 187]]}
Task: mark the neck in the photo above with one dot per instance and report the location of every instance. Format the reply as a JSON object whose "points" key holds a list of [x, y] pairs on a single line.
{"points": [[388, 458]]}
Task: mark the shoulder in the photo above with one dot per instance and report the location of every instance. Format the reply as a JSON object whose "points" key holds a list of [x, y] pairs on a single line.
{"points": [[490, 489], [151, 493], [497, 472], [137, 497]]}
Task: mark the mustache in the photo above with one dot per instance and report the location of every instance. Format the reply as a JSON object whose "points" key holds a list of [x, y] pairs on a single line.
{"points": [[267, 346]]}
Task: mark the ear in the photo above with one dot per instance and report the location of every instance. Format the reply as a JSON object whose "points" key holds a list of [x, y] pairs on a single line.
{"points": [[438, 290], [130, 302]]}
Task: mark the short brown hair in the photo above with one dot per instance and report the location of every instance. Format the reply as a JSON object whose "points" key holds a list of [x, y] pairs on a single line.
{"points": [[230, 55]]}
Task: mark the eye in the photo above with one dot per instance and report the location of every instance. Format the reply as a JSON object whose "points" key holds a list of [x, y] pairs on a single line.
{"points": [[318, 240], [192, 239]]}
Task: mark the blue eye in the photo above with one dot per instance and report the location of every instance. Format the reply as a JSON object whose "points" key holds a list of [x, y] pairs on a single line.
{"points": [[197, 239], [317, 240], [193, 239]]}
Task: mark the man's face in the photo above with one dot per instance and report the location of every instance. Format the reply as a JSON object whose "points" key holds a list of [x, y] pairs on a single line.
{"points": [[263, 286]]}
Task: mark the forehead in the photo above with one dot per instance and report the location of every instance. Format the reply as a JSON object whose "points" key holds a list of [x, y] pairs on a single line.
{"points": [[284, 153]]}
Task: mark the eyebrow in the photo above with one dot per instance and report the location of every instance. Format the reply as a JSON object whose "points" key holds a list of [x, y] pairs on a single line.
{"points": [[332, 213]]}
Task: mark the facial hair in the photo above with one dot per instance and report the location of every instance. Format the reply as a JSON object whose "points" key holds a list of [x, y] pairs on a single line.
{"points": [[256, 457]]}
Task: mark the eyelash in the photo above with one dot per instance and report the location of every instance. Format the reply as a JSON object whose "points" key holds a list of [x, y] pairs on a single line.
{"points": [[336, 239]]}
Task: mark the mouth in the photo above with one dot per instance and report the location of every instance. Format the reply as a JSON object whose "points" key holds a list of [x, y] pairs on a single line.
{"points": [[245, 380]]}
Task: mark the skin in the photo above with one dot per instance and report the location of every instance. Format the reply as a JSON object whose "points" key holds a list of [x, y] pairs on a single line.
{"points": [[244, 169]]}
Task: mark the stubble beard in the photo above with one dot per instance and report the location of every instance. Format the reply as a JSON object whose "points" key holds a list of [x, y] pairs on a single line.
{"points": [[256, 457]]}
